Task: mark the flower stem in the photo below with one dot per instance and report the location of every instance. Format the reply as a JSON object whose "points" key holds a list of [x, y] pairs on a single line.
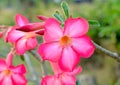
{"points": [[9, 58], [35, 55]]}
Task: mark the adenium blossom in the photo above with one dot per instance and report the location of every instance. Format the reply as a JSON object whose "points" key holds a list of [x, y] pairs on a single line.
{"points": [[11, 75], [61, 77], [23, 36], [67, 45]]}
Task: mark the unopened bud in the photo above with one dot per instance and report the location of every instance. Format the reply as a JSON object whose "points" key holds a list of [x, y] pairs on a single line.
{"points": [[1, 34], [42, 17]]}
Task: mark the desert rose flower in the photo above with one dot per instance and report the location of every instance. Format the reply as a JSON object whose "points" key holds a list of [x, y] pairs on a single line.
{"points": [[61, 77], [67, 45], [23, 36], [11, 75]]}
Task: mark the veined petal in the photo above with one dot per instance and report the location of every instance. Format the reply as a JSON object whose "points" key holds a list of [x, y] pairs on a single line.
{"points": [[76, 27], [14, 35], [7, 81], [20, 69], [53, 31], [21, 46], [21, 20], [31, 43], [50, 80], [50, 51], [68, 80], [83, 46], [3, 65], [69, 59], [19, 79]]}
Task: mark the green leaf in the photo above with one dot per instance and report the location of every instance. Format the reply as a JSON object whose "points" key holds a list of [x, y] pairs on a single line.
{"points": [[105, 31], [94, 23], [65, 8], [57, 15]]}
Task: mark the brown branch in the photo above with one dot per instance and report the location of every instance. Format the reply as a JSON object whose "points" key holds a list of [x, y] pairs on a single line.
{"points": [[113, 55], [43, 64], [32, 70], [35, 55]]}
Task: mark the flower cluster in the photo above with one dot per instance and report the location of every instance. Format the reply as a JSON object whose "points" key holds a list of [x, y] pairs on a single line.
{"points": [[11, 75], [63, 47]]}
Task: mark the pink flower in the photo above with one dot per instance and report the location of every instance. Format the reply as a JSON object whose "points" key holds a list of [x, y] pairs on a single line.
{"points": [[67, 45], [61, 77], [24, 35], [11, 75]]}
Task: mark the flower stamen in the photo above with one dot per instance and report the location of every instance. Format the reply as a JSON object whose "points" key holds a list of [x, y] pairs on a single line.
{"points": [[7, 72], [65, 41]]}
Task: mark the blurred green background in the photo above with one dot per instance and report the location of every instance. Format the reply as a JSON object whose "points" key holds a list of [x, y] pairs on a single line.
{"points": [[105, 70]]}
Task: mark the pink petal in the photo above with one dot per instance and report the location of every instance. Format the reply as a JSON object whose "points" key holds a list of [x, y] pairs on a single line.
{"points": [[83, 46], [53, 30], [50, 51], [7, 81], [31, 43], [68, 80], [69, 59], [9, 31], [75, 71], [56, 68], [1, 76], [3, 65], [76, 27], [21, 46], [19, 79], [50, 80], [21, 20], [20, 69], [14, 35]]}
